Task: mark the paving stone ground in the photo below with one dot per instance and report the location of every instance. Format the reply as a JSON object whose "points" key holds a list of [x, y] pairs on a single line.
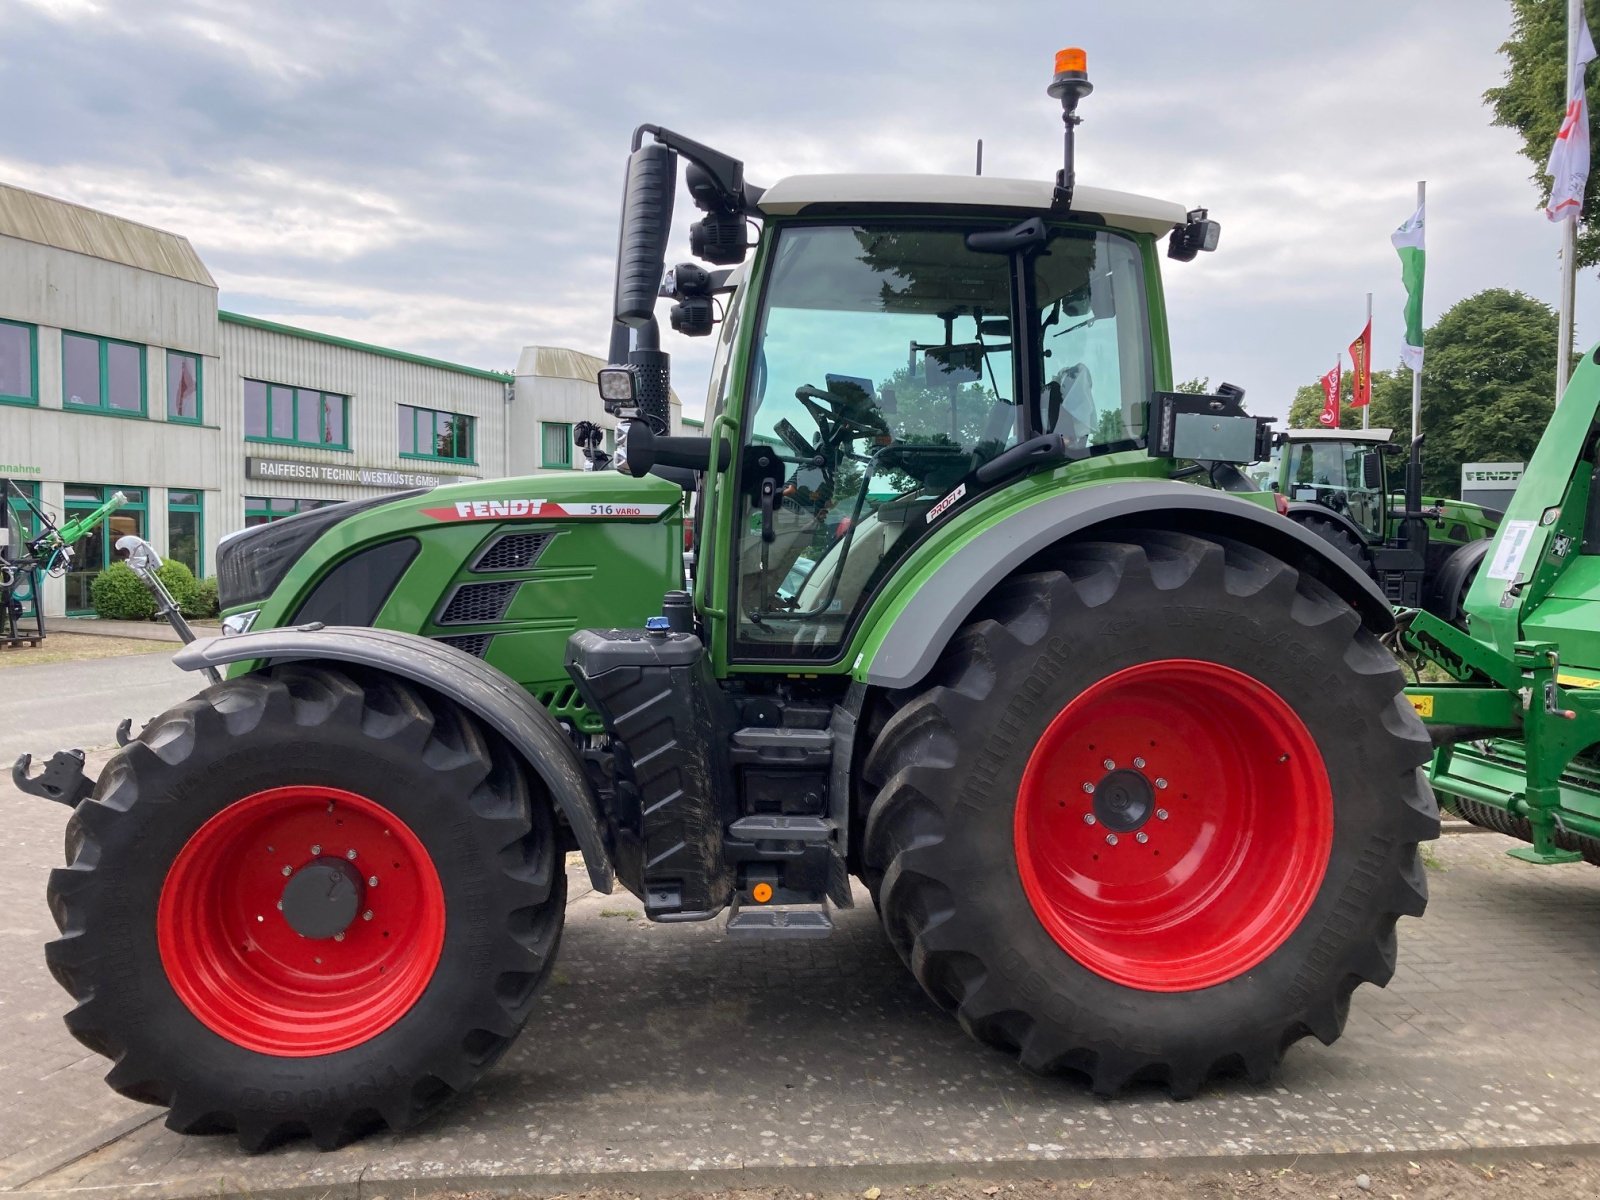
{"points": [[671, 1049]]}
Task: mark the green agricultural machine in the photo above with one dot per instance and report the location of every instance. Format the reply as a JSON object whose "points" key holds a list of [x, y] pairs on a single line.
{"points": [[1121, 760], [1423, 551], [1518, 727]]}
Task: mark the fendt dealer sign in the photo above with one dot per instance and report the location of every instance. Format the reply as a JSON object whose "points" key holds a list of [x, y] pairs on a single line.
{"points": [[379, 477], [1490, 483]]}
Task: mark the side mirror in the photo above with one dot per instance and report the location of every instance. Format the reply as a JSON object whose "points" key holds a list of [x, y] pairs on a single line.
{"points": [[646, 222], [1371, 472]]}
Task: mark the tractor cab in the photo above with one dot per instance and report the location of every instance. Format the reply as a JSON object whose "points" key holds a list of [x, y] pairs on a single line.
{"points": [[1341, 470]]}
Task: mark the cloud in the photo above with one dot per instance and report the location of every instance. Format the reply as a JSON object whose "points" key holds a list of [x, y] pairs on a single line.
{"points": [[446, 179]]}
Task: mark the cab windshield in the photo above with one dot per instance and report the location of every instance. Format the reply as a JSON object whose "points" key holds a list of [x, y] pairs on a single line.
{"points": [[884, 375]]}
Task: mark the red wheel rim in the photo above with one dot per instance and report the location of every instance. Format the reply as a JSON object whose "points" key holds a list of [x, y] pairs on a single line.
{"points": [[235, 960], [1173, 825]]}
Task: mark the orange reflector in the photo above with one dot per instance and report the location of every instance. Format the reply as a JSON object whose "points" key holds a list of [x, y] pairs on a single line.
{"points": [[762, 892], [1072, 59]]}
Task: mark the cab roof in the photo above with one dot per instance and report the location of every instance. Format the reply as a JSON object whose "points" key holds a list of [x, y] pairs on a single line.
{"points": [[1121, 210], [1339, 435]]}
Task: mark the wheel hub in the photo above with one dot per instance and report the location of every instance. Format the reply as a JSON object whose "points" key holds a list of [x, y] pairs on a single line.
{"points": [[322, 899], [1123, 800]]}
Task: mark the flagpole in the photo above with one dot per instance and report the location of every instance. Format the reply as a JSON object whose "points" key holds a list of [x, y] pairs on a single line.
{"points": [[1366, 409], [1416, 373], [1569, 226]]}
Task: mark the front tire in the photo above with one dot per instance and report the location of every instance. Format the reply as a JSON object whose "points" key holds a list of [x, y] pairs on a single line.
{"points": [[1155, 815], [306, 901]]}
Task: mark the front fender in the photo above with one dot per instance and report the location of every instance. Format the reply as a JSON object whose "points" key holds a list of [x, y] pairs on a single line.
{"points": [[946, 596], [470, 682]]}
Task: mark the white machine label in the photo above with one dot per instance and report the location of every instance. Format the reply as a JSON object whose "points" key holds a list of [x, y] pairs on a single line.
{"points": [[1515, 537]]}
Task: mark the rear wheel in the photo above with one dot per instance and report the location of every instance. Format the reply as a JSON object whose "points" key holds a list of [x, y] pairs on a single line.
{"points": [[306, 901], [1154, 817]]}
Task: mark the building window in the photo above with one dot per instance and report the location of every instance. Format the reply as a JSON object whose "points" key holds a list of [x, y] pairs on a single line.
{"points": [[426, 433], [294, 416], [19, 363], [186, 527], [555, 444], [102, 375], [262, 510], [183, 387], [97, 550]]}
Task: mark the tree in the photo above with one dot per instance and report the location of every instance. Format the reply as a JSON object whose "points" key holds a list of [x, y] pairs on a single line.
{"points": [[1486, 391], [1200, 385], [1533, 101]]}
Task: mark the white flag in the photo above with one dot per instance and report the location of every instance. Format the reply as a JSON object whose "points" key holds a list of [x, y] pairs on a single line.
{"points": [[1569, 157]]}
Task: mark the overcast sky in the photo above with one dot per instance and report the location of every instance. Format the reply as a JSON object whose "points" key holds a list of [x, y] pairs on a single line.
{"points": [[444, 178]]}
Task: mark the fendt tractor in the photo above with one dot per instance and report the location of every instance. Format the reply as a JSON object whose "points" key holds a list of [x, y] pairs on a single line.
{"points": [[1518, 723], [1121, 760], [1423, 551]]}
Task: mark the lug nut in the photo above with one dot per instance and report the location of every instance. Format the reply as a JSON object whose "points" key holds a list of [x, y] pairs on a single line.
{"points": [[372, 881], [1089, 788], [1109, 764], [288, 870], [339, 937], [1161, 783], [1161, 814], [1139, 762], [1111, 839], [280, 905], [1141, 837], [350, 854], [1088, 818], [367, 916]]}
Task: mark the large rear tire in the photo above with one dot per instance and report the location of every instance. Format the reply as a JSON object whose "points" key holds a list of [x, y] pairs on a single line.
{"points": [[1154, 816], [306, 901]]}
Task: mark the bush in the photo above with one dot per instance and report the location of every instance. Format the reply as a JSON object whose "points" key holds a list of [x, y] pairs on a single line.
{"points": [[180, 581], [119, 596], [205, 604]]}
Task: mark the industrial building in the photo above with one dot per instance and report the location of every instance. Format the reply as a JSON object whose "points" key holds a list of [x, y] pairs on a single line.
{"points": [[119, 373]]}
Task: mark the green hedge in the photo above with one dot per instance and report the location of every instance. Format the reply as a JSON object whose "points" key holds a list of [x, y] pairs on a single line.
{"points": [[205, 604], [119, 596]]}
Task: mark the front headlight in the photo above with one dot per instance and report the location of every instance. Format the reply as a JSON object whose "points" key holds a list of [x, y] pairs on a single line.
{"points": [[240, 622]]}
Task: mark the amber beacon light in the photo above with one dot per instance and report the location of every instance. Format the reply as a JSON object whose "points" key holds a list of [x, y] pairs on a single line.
{"points": [[1070, 85]]}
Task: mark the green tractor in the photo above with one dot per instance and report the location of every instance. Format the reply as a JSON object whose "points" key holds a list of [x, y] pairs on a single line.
{"points": [[1518, 725], [1120, 760], [1423, 551]]}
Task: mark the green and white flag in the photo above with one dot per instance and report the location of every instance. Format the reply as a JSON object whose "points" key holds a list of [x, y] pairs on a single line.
{"points": [[1408, 241]]}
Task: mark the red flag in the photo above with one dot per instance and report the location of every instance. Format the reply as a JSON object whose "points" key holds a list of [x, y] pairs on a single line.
{"points": [[185, 386], [1330, 396], [1361, 369]]}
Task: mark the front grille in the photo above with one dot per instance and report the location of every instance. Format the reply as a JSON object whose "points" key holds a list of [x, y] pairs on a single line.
{"points": [[513, 552], [478, 603], [475, 644]]}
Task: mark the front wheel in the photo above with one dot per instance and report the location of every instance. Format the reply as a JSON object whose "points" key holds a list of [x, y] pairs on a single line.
{"points": [[1155, 815], [306, 901]]}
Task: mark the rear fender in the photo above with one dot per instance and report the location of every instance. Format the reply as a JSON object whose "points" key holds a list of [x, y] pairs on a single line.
{"points": [[477, 687], [947, 597]]}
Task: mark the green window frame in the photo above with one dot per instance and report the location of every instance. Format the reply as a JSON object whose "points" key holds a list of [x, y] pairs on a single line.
{"points": [[555, 445], [102, 401], [133, 517], [182, 502], [283, 412], [450, 435], [175, 361], [263, 510], [31, 396], [28, 527]]}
